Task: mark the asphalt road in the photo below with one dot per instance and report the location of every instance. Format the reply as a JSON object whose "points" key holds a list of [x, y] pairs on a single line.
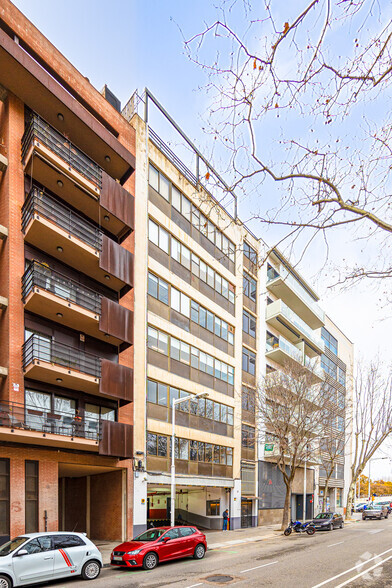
{"points": [[357, 556]]}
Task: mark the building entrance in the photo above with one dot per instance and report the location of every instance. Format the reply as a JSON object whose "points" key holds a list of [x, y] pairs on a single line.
{"points": [[246, 513], [92, 500]]}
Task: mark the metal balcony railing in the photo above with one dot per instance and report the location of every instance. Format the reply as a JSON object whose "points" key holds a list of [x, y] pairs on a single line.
{"points": [[36, 418], [40, 203], [42, 348], [41, 276], [38, 129]]}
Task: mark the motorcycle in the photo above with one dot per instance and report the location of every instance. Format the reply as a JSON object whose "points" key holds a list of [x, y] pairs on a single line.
{"points": [[300, 528]]}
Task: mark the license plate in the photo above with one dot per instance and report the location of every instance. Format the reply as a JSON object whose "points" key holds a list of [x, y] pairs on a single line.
{"points": [[116, 558]]}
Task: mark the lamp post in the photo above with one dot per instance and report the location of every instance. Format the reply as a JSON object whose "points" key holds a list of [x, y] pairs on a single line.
{"points": [[173, 463], [370, 460], [304, 504]]}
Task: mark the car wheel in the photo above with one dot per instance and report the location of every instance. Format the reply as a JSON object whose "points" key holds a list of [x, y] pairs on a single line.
{"points": [[5, 582], [150, 561], [330, 527], [199, 551], [91, 570], [342, 524]]}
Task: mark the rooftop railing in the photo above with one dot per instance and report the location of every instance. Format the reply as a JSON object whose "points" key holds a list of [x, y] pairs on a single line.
{"points": [[40, 203], [41, 276], [40, 130], [42, 348]]}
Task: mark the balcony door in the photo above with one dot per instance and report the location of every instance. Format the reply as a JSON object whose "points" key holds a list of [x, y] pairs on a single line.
{"points": [[41, 347]]}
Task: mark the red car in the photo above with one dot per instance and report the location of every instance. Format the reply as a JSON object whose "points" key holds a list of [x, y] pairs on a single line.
{"points": [[160, 544]]}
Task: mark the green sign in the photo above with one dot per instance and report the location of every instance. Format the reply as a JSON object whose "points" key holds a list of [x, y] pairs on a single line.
{"points": [[269, 447]]}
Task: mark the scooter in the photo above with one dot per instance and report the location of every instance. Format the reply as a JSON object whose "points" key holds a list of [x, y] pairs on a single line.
{"points": [[300, 528]]}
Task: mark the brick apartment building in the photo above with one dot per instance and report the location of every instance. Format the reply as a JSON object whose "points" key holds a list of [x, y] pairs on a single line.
{"points": [[67, 162]]}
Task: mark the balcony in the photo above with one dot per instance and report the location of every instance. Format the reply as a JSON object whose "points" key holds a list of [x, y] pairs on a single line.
{"points": [[26, 424], [57, 364], [51, 226], [50, 294], [282, 351], [285, 286], [51, 159], [280, 316]]}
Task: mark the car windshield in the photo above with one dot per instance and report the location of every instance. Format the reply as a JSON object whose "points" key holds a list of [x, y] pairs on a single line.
{"points": [[323, 515], [376, 507], [10, 546], [150, 535]]}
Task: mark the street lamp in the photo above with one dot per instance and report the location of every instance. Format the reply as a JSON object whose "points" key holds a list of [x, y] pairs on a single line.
{"points": [[370, 460], [173, 464]]}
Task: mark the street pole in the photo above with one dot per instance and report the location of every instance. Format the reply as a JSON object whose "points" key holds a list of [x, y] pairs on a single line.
{"points": [[304, 505], [173, 462], [370, 461], [173, 469]]}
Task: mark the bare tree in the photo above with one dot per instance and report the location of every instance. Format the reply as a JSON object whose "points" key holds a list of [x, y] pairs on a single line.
{"points": [[293, 411], [299, 99], [331, 454], [372, 419]]}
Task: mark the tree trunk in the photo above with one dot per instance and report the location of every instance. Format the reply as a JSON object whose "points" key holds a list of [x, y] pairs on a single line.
{"points": [[350, 498], [326, 488], [286, 508]]}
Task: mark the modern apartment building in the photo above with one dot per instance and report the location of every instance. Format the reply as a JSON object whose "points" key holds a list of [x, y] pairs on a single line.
{"points": [[67, 162]]}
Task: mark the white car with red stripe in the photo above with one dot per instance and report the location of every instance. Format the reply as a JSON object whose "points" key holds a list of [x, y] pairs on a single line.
{"points": [[41, 557]]}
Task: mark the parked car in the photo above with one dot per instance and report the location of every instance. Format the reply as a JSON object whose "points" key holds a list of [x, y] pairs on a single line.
{"points": [[386, 503], [160, 544], [326, 521], [377, 511], [42, 557], [359, 507]]}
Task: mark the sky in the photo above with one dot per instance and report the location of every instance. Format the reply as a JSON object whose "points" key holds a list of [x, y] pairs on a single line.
{"points": [[132, 44]]}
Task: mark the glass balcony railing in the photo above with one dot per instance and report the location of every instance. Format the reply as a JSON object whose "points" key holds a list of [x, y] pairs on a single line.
{"points": [[41, 276], [40, 130], [42, 348], [272, 274], [282, 343], [40, 203], [314, 366], [299, 323]]}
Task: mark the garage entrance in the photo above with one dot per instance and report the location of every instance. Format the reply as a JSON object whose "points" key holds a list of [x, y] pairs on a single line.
{"points": [[92, 500]]}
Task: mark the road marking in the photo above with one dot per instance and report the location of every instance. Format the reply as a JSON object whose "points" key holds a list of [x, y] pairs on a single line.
{"points": [[257, 567], [193, 585], [351, 569], [376, 531], [364, 572], [333, 544]]}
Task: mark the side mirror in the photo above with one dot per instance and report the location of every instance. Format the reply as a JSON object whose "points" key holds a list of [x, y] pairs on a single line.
{"points": [[22, 552], [165, 539]]}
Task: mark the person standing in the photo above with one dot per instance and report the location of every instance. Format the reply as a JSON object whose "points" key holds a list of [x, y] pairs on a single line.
{"points": [[225, 519]]}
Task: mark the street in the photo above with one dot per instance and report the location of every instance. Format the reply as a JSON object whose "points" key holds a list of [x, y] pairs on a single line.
{"points": [[358, 555]]}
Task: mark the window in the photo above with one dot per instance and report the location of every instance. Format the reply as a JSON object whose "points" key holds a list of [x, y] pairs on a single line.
{"points": [[153, 178], [180, 302], [66, 541], [157, 340], [340, 471], [329, 366], [341, 376], [187, 531], [338, 497], [172, 534], [249, 286], [39, 544], [162, 446], [213, 508], [31, 496], [248, 436], [249, 323], [158, 288], [329, 340], [158, 236], [250, 253], [248, 361], [4, 496], [248, 399], [151, 444]]}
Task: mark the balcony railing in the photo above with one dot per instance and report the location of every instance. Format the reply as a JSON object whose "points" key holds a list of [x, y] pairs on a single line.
{"points": [[287, 277], [40, 276], [41, 348], [282, 343], [40, 203], [297, 321], [38, 129], [36, 418]]}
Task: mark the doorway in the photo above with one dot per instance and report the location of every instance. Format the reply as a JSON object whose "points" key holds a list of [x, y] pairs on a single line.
{"points": [[299, 505], [246, 513]]}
